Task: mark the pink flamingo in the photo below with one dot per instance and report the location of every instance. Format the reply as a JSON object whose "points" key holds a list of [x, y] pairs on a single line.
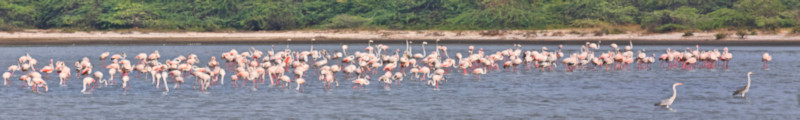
{"points": [[39, 82], [766, 58], [6, 76], [125, 80], [361, 81], [87, 81]]}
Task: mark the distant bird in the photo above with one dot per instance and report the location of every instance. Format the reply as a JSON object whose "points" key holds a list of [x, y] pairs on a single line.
{"points": [[39, 82], [87, 81], [6, 76], [125, 80], [667, 102], [746, 87], [479, 72], [299, 82], [103, 57], [361, 81]]}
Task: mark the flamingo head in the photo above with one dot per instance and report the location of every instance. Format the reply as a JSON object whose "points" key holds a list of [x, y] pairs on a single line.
{"points": [[748, 73], [677, 84]]}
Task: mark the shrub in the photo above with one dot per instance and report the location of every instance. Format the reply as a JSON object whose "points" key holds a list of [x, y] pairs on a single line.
{"points": [[669, 28], [688, 33], [796, 30], [574, 32], [599, 33], [741, 33], [613, 31], [491, 33], [6, 28], [559, 33], [589, 23], [720, 35], [346, 21]]}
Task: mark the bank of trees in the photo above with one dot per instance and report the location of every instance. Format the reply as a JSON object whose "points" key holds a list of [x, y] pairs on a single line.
{"points": [[216, 15]]}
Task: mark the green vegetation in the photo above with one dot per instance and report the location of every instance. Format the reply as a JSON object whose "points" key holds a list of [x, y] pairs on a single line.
{"points": [[223, 15]]}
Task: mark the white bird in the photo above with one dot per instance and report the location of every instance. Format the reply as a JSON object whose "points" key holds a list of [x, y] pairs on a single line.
{"points": [[6, 76]]}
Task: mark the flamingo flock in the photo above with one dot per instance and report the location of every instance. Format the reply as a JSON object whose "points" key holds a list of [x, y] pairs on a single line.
{"points": [[337, 66]]}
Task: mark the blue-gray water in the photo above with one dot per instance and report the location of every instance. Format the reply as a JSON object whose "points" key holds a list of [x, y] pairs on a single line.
{"points": [[526, 94]]}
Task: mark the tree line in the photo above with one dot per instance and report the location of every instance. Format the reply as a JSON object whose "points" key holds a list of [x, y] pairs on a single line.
{"points": [[247, 15]]}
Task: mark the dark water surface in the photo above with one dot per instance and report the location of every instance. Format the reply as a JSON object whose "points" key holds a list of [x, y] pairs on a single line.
{"points": [[525, 94]]}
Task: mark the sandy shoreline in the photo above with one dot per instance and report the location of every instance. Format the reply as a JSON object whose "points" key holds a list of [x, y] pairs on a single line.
{"points": [[34, 37]]}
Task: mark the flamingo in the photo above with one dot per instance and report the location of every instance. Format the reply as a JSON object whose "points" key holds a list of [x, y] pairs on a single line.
{"points": [[87, 81], [361, 81], [39, 82], [436, 80], [99, 76], [13, 68], [479, 71], [234, 78], [6, 76], [398, 76], [125, 86], [178, 81], [103, 57], [221, 76], [48, 69], [111, 73], [63, 76], [285, 79], [299, 82], [386, 79]]}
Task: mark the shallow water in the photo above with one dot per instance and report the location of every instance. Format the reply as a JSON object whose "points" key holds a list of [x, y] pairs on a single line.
{"points": [[525, 94]]}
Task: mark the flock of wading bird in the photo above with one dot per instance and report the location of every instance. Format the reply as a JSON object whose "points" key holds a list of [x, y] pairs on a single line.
{"points": [[255, 66]]}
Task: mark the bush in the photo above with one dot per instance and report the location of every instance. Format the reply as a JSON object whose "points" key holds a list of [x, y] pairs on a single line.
{"points": [[589, 23], [599, 33], [753, 33], [669, 28], [8, 28], [720, 35], [612, 31], [346, 21], [491, 33], [796, 30], [688, 33], [574, 32], [558, 34], [741, 33]]}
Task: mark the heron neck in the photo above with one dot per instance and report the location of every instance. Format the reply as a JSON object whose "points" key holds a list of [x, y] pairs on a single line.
{"points": [[748, 81], [674, 92]]}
